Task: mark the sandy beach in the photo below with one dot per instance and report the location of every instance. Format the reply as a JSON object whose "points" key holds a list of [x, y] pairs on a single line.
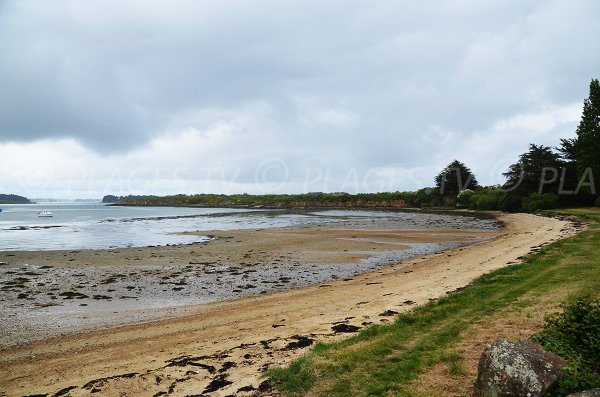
{"points": [[223, 348], [47, 293]]}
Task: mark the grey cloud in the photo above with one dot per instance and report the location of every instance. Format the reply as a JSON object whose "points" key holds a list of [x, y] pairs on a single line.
{"points": [[113, 75]]}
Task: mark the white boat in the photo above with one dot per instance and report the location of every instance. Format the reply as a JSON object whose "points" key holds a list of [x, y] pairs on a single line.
{"points": [[45, 214]]}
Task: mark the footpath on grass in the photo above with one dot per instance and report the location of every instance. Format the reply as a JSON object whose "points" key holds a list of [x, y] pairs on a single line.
{"points": [[434, 349]]}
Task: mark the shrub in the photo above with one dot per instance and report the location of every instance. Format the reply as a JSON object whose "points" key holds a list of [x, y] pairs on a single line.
{"points": [[574, 335], [486, 202], [578, 328], [426, 197], [536, 201], [464, 198], [511, 202], [486, 199]]}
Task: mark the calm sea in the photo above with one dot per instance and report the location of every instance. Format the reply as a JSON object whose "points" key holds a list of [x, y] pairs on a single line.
{"points": [[95, 226]]}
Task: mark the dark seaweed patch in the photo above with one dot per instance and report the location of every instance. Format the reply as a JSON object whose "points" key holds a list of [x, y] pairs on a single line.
{"points": [[346, 328], [217, 383]]}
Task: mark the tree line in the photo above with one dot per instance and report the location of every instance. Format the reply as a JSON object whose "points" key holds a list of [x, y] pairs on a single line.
{"points": [[541, 178], [13, 199]]}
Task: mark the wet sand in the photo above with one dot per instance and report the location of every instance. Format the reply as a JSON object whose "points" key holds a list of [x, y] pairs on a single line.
{"points": [[222, 348]]}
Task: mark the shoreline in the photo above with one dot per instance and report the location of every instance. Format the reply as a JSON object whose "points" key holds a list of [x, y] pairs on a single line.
{"points": [[259, 331], [87, 290]]}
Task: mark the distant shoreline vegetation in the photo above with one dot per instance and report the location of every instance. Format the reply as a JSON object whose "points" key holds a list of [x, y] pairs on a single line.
{"points": [[13, 199], [395, 200]]}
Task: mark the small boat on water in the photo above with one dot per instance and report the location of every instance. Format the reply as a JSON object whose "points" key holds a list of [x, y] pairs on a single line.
{"points": [[45, 214]]}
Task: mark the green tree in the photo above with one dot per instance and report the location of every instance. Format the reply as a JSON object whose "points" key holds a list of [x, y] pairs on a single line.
{"points": [[588, 137], [537, 171], [455, 178], [568, 149], [568, 174]]}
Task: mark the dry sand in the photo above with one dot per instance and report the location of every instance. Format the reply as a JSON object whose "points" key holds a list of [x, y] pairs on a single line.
{"points": [[226, 346]]}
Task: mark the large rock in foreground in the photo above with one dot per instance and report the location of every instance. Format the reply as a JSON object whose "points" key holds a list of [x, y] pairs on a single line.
{"points": [[517, 369]]}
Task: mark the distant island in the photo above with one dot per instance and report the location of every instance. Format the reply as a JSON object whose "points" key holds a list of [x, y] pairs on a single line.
{"points": [[13, 199]]}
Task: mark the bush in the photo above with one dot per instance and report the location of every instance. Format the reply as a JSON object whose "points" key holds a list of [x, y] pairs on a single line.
{"points": [[486, 202], [426, 197], [536, 202], [597, 202], [486, 199], [578, 328], [574, 335], [464, 198], [511, 202]]}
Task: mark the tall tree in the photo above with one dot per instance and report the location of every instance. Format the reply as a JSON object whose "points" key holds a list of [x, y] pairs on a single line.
{"points": [[588, 137], [455, 178], [568, 149], [568, 174], [538, 170]]}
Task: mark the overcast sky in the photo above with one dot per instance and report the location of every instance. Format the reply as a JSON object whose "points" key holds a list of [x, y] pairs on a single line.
{"points": [[159, 97]]}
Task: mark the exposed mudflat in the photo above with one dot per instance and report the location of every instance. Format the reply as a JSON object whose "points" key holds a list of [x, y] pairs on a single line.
{"points": [[50, 293]]}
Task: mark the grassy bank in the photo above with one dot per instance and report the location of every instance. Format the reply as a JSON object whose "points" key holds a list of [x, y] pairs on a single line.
{"points": [[434, 349]]}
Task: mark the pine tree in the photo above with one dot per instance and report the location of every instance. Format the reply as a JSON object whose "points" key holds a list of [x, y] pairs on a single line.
{"points": [[588, 137], [455, 178], [568, 154], [534, 168]]}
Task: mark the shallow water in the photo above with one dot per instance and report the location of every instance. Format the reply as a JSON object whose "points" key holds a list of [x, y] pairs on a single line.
{"points": [[97, 226]]}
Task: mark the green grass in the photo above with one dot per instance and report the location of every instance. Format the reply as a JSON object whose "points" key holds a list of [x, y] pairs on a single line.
{"points": [[589, 213], [382, 360]]}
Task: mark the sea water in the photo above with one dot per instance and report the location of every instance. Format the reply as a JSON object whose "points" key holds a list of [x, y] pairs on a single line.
{"points": [[97, 226]]}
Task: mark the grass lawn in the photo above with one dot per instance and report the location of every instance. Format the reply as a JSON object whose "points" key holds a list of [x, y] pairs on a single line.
{"points": [[434, 349]]}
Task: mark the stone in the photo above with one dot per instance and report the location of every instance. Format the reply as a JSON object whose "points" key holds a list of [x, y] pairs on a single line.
{"points": [[517, 369]]}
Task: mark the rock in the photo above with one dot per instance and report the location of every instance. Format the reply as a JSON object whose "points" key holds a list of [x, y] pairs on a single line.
{"points": [[586, 393], [517, 369]]}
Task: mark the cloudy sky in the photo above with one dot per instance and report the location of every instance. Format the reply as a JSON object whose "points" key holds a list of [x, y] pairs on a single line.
{"points": [[159, 97]]}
